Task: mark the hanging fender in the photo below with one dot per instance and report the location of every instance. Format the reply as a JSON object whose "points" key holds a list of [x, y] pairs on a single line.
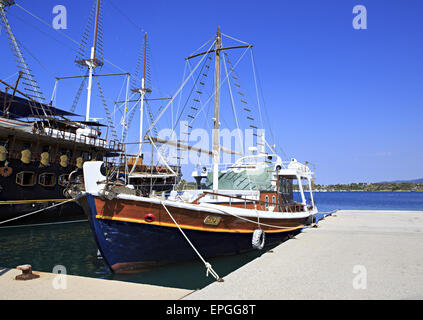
{"points": [[258, 239]]}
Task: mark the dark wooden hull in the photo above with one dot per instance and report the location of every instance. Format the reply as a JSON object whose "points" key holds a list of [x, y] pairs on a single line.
{"points": [[133, 235], [62, 213], [17, 200]]}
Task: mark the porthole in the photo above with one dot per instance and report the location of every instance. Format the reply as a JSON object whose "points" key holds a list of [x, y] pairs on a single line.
{"points": [[25, 178], [47, 179]]}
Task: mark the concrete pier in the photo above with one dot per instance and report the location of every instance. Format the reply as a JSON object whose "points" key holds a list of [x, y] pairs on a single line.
{"points": [[50, 286], [351, 255]]}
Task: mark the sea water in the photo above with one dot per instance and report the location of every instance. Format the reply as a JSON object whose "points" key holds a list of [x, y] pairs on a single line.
{"points": [[72, 246]]}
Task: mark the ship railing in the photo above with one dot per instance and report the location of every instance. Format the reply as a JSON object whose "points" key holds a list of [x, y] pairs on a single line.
{"points": [[115, 145], [259, 204], [70, 136]]}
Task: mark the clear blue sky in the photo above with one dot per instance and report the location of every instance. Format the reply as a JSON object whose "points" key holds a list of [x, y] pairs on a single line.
{"points": [[349, 101]]}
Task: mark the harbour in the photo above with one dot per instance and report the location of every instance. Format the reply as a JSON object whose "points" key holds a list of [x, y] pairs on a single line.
{"points": [[383, 244], [226, 185]]}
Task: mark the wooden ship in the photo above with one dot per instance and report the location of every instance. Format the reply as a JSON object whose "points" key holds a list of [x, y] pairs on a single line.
{"points": [[238, 207], [43, 148]]}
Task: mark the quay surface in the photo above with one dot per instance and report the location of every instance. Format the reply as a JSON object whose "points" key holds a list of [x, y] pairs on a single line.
{"points": [[351, 255], [79, 288]]}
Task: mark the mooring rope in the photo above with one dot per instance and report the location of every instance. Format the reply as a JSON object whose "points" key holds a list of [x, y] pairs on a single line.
{"points": [[37, 211], [208, 265]]}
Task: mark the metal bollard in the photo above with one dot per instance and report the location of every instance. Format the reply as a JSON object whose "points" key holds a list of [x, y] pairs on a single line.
{"points": [[26, 273]]}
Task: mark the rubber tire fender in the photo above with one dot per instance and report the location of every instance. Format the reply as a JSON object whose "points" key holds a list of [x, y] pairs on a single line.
{"points": [[258, 239]]}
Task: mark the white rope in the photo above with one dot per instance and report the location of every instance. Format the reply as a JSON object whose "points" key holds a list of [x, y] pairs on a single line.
{"points": [[202, 46], [161, 157], [177, 92], [44, 224], [208, 265], [167, 106], [34, 212], [11, 75], [220, 85], [233, 107], [63, 34], [235, 39], [255, 83]]}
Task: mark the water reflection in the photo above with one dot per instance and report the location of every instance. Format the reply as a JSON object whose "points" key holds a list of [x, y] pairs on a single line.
{"points": [[72, 245]]}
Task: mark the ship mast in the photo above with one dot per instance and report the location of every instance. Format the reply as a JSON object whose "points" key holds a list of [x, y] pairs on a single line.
{"points": [[91, 63], [216, 137], [142, 91]]}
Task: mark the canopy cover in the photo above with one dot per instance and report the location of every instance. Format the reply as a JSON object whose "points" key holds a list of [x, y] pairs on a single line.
{"points": [[24, 108]]}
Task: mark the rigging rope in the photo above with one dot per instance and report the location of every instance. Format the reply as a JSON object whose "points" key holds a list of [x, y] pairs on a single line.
{"points": [[63, 34], [109, 118], [37, 211], [207, 265]]}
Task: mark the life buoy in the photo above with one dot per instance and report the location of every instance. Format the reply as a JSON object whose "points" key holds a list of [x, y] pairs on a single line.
{"points": [[160, 169], [258, 239], [6, 171], [149, 217]]}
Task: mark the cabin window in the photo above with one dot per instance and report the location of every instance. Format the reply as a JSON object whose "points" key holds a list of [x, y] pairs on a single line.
{"points": [[273, 200], [47, 179], [25, 178], [286, 189], [266, 203], [63, 180]]}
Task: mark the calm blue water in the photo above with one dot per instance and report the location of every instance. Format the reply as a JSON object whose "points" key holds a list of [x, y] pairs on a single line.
{"points": [[362, 200], [72, 245]]}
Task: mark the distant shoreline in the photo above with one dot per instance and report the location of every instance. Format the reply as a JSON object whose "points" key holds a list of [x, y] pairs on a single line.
{"points": [[366, 191], [371, 187]]}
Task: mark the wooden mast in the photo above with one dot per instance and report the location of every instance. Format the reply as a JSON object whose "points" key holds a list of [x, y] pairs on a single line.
{"points": [[216, 137], [142, 92], [96, 29]]}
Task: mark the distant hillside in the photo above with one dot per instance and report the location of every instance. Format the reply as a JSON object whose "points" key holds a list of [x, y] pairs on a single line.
{"points": [[410, 185], [406, 181]]}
